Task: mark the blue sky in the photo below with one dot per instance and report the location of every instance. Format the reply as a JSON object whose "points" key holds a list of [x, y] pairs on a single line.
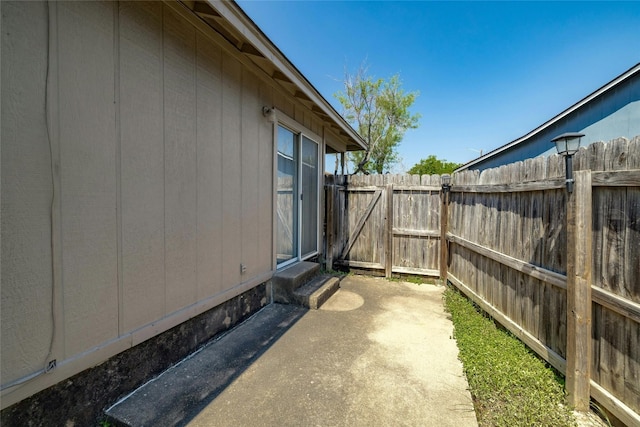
{"points": [[487, 72]]}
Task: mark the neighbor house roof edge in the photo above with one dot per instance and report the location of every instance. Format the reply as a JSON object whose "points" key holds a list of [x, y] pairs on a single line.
{"points": [[608, 86]]}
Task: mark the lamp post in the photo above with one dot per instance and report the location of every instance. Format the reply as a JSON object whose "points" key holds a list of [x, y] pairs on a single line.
{"points": [[444, 225], [568, 144], [446, 183], [579, 259]]}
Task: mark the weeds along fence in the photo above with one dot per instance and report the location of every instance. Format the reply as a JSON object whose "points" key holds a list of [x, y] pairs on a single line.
{"points": [[560, 270]]}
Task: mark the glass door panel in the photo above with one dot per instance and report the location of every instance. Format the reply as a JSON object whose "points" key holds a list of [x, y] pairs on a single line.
{"points": [[287, 200], [309, 199]]}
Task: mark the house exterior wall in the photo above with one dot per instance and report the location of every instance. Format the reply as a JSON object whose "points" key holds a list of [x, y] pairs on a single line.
{"points": [[614, 114], [136, 177]]}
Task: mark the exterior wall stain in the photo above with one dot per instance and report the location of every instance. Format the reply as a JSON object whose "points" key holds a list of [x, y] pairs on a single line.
{"points": [[82, 399]]}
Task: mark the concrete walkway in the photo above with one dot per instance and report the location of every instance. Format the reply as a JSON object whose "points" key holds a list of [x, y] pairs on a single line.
{"points": [[377, 353]]}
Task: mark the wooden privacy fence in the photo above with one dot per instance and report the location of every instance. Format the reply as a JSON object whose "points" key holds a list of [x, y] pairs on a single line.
{"points": [[384, 223], [561, 271]]}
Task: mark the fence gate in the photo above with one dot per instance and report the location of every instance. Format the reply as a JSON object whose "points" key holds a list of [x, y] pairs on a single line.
{"points": [[384, 223]]}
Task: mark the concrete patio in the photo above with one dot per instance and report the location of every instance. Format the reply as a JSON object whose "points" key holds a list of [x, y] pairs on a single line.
{"points": [[377, 353]]}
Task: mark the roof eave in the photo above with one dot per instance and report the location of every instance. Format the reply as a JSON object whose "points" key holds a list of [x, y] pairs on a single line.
{"points": [[231, 12]]}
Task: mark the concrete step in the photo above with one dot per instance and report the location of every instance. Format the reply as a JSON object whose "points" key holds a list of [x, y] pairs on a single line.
{"points": [[313, 294], [286, 281], [181, 392]]}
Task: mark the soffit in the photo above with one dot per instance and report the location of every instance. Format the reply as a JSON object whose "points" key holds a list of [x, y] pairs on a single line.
{"points": [[247, 40]]}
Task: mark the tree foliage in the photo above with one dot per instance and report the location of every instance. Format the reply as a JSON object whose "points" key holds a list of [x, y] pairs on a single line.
{"points": [[433, 166], [379, 110]]}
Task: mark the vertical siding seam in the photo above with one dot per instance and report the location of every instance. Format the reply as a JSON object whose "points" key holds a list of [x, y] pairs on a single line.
{"points": [[274, 195], [240, 153], [118, 164], [164, 170], [195, 90], [258, 196], [222, 166], [220, 173]]}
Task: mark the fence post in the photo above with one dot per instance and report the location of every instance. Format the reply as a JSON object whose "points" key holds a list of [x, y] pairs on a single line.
{"points": [[579, 260], [388, 233], [330, 199], [444, 225]]}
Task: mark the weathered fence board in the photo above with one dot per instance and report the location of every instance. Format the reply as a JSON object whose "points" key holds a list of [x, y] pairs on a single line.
{"points": [[396, 230], [361, 222], [506, 246], [579, 268], [538, 212]]}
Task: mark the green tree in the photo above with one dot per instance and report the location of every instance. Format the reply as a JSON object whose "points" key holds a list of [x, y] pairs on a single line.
{"points": [[433, 166], [379, 110]]}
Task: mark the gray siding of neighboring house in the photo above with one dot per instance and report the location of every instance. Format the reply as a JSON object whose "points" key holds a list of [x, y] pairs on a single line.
{"points": [[613, 114]]}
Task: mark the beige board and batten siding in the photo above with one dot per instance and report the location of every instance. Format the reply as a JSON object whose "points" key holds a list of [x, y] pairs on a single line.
{"points": [[162, 163], [25, 208]]}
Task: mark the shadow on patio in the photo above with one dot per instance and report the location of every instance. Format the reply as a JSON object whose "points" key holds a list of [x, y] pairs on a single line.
{"points": [[376, 353]]}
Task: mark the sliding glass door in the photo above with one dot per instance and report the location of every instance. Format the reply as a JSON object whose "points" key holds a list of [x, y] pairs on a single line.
{"points": [[297, 197], [309, 199], [287, 197]]}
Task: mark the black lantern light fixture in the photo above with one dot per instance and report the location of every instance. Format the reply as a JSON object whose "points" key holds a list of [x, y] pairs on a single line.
{"points": [[568, 144], [446, 183]]}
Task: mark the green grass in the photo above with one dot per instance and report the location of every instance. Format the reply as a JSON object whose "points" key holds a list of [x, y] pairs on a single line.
{"points": [[334, 272], [510, 385], [410, 278]]}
